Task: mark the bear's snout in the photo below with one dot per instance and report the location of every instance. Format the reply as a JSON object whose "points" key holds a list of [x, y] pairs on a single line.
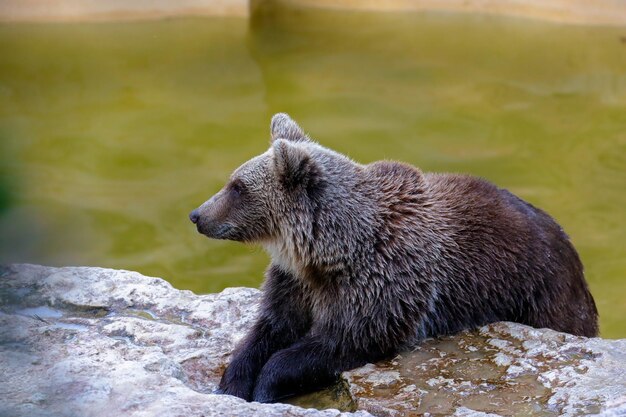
{"points": [[211, 228], [212, 218], [194, 216]]}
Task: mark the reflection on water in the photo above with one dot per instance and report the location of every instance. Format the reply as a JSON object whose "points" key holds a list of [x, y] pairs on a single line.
{"points": [[112, 132]]}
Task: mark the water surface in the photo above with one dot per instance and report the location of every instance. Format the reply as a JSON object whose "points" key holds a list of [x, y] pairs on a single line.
{"points": [[110, 133]]}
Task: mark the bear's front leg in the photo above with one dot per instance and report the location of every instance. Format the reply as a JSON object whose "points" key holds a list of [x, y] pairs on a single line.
{"points": [[308, 365], [248, 359], [283, 319]]}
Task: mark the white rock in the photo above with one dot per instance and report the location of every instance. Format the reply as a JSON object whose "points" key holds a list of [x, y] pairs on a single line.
{"points": [[100, 342]]}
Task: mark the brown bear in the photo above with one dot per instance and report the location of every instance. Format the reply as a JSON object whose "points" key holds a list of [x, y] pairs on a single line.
{"points": [[368, 259]]}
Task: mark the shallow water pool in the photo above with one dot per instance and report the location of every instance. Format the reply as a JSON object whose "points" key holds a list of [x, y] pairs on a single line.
{"points": [[110, 133]]}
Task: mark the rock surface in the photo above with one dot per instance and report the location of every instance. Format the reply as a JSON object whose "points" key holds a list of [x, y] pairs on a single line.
{"points": [[101, 342], [500, 369], [115, 10], [597, 12]]}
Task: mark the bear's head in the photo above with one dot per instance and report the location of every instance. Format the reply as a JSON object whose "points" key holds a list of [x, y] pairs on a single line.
{"points": [[263, 192]]}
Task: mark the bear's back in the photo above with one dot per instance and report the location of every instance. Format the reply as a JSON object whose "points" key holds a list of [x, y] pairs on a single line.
{"points": [[488, 254], [523, 265]]}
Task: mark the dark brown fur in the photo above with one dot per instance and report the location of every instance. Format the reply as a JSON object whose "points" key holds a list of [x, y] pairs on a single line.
{"points": [[369, 259]]}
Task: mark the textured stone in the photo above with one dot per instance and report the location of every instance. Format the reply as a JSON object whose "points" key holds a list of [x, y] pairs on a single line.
{"points": [[597, 12], [500, 369], [101, 342], [113, 10]]}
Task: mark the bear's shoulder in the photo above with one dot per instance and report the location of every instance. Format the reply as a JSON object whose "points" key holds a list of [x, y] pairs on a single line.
{"points": [[455, 185], [393, 175]]}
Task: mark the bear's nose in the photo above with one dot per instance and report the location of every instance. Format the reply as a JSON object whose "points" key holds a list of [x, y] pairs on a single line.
{"points": [[194, 216]]}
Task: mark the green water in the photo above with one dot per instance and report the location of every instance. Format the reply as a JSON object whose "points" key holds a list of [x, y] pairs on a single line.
{"points": [[111, 133]]}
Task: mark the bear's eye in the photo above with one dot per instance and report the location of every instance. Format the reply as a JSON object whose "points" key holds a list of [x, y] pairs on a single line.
{"points": [[237, 187]]}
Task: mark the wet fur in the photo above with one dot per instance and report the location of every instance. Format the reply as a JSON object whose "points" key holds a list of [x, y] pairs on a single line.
{"points": [[368, 259]]}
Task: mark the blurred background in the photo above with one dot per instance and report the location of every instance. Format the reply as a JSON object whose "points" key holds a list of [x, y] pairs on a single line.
{"points": [[114, 127]]}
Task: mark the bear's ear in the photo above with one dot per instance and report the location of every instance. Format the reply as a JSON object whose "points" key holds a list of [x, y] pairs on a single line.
{"points": [[283, 127], [294, 165]]}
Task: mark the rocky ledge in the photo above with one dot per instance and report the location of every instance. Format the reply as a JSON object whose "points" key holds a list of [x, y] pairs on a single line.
{"points": [[101, 342]]}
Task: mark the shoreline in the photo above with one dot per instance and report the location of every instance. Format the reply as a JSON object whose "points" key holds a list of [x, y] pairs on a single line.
{"points": [[575, 12]]}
